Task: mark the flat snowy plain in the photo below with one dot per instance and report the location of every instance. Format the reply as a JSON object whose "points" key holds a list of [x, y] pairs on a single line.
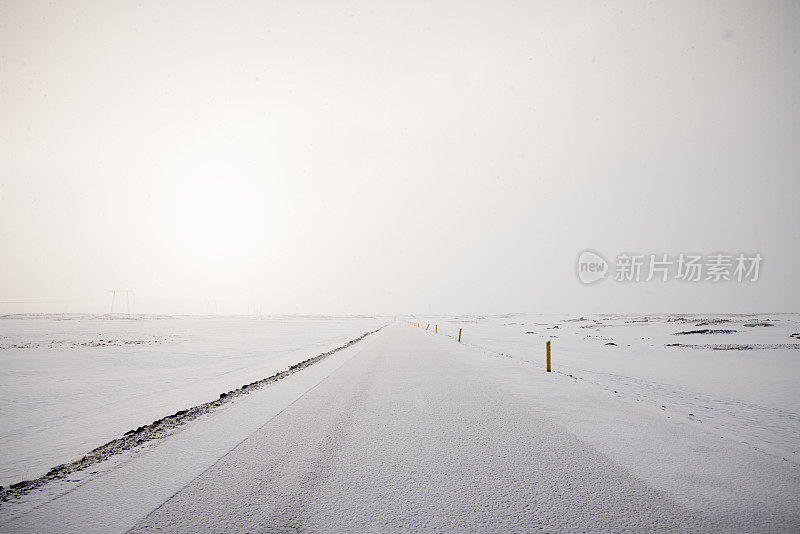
{"points": [[712, 419], [71, 383], [733, 375], [701, 435]]}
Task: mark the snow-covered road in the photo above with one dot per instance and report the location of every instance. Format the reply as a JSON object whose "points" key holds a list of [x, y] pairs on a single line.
{"points": [[408, 437], [417, 432]]}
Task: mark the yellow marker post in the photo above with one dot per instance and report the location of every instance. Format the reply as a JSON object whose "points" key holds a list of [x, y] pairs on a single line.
{"points": [[459, 335], [548, 356], [436, 329]]}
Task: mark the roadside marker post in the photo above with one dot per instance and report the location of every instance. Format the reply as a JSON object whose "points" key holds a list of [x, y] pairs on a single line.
{"points": [[459, 335], [429, 325], [548, 356], [436, 329]]}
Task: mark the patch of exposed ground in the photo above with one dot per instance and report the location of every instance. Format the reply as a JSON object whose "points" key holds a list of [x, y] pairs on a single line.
{"points": [[735, 346], [58, 343], [706, 331]]}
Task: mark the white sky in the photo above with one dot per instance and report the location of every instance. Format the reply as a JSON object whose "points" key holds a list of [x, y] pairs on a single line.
{"points": [[390, 157]]}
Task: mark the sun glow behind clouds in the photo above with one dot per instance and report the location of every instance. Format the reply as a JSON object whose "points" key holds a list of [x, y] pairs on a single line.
{"points": [[215, 219]]}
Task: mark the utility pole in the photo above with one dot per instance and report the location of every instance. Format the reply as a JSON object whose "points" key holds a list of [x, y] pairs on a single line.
{"points": [[127, 300]]}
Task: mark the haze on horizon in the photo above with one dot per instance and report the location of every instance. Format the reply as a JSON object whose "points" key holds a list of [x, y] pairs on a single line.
{"points": [[361, 157]]}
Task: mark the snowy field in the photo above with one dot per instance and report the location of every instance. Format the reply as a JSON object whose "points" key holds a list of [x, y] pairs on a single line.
{"points": [[640, 425], [734, 376], [71, 383]]}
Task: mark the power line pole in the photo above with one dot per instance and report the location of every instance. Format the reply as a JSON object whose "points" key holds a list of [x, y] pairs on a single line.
{"points": [[127, 300]]}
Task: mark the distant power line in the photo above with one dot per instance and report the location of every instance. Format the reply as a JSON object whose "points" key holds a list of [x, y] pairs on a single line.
{"points": [[127, 293]]}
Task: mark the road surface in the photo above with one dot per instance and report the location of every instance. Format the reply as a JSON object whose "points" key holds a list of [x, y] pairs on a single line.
{"points": [[406, 436]]}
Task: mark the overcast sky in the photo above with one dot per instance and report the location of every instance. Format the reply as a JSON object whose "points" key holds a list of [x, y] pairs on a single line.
{"points": [[393, 157]]}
